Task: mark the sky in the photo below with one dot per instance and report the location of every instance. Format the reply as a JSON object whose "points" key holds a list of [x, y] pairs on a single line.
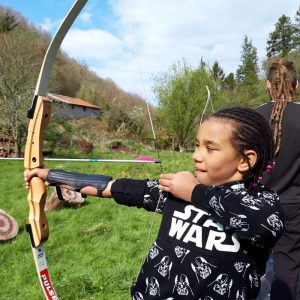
{"points": [[132, 41]]}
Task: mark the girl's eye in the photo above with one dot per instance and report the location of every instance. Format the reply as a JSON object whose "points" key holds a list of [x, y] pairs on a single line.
{"points": [[209, 149]]}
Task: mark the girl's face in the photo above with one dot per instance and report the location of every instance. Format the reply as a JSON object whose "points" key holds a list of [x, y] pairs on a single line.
{"points": [[216, 160]]}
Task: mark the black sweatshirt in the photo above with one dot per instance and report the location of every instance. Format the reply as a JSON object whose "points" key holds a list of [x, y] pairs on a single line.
{"points": [[285, 176], [213, 248]]}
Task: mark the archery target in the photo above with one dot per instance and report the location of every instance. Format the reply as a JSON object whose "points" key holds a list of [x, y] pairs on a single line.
{"points": [[8, 226], [72, 196]]}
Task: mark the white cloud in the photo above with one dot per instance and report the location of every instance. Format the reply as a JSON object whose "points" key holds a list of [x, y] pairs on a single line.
{"points": [[92, 44], [48, 24], [165, 31]]}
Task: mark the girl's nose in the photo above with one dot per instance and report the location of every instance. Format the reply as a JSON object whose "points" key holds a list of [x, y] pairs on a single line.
{"points": [[197, 155]]}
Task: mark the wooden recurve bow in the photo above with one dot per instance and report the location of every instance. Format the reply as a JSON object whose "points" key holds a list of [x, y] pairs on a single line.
{"points": [[39, 117]]}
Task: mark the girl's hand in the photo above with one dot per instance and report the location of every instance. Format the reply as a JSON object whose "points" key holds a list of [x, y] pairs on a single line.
{"points": [[180, 184], [38, 172]]}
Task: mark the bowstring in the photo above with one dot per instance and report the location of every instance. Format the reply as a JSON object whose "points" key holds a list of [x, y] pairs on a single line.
{"points": [[132, 35]]}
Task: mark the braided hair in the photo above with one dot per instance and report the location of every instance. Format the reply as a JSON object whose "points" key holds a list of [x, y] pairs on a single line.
{"points": [[283, 79], [251, 131]]}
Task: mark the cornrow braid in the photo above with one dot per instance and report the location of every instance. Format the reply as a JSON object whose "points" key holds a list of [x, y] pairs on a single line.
{"points": [[283, 80], [251, 131]]}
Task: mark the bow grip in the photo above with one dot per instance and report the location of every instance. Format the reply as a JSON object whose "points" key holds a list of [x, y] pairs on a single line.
{"points": [[37, 224]]}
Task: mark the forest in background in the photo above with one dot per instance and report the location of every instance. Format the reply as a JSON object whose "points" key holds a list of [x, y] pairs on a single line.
{"points": [[181, 91]]}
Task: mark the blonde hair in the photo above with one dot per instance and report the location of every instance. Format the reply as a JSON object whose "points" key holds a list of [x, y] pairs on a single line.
{"points": [[283, 79]]}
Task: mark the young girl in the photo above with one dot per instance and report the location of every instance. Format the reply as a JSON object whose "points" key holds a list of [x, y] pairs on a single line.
{"points": [[213, 245], [283, 114]]}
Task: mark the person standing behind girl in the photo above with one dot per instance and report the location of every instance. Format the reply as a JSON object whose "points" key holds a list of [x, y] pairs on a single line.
{"points": [[213, 246], [284, 117]]}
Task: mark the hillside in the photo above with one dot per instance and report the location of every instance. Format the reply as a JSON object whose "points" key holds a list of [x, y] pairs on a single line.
{"points": [[23, 47]]}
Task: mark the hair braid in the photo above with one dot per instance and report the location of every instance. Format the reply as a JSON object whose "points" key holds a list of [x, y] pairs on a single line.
{"points": [[251, 132], [283, 80]]}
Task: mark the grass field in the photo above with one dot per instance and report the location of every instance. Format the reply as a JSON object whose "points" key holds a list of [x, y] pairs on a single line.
{"points": [[93, 252]]}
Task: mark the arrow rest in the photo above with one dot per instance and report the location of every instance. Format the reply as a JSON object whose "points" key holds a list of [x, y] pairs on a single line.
{"points": [[31, 110]]}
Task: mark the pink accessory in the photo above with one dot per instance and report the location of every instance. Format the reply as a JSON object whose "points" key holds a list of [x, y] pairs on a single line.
{"points": [[269, 169]]}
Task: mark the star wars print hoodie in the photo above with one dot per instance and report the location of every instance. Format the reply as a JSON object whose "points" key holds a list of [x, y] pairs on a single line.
{"points": [[215, 247]]}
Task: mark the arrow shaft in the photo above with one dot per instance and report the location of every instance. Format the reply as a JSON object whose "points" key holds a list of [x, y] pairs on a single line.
{"points": [[91, 160]]}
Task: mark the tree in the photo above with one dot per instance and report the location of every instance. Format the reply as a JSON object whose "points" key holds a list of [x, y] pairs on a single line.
{"points": [[283, 39], [181, 95], [218, 75], [91, 89], [229, 82], [297, 30], [247, 72], [18, 70], [8, 21]]}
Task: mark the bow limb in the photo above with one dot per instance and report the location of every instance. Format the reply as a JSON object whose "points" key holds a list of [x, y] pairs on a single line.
{"points": [[206, 104], [39, 117]]}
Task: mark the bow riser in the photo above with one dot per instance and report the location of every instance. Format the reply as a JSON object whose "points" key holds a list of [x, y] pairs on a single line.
{"points": [[37, 224], [35, 136]]}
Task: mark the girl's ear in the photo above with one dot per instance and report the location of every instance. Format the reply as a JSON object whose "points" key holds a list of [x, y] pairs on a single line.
{"points": [[247, 161]]}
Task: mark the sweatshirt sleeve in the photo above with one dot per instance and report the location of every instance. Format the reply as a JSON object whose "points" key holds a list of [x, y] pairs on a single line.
{"points": [[256, 212], [140, 193]]}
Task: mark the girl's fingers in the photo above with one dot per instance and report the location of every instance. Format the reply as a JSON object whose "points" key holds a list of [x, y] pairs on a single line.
{"points": [[164, 188], [166, 176], [164, 182]]}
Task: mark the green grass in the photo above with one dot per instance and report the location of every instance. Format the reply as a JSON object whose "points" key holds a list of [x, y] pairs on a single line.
{"points": [[93, 252]]}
